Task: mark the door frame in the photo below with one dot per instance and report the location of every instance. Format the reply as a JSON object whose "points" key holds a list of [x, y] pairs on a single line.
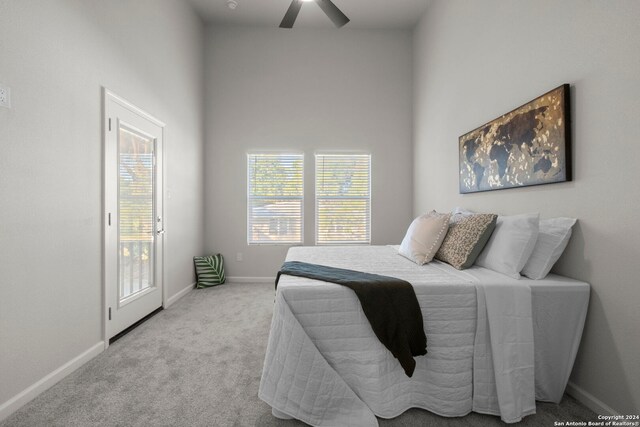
{"points": [[109, 96]]}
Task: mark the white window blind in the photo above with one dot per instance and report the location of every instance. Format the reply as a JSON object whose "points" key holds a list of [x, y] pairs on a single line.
{"points": [[275, 197], [343, 199], [136, 211]]}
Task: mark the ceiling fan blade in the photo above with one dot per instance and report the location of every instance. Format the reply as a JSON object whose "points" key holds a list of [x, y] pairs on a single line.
{"points": [[332, 11], [291, 15]]}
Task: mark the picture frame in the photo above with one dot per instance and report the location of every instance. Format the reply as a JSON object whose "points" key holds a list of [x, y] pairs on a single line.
{"points": [[530, 145]]}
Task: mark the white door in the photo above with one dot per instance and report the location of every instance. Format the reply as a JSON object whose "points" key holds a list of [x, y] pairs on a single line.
{"points": [[134, 230]]}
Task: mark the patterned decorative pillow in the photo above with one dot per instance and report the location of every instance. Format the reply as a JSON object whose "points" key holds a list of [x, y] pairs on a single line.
{"points": [[465, 240], [424, 237], [209, 270]]}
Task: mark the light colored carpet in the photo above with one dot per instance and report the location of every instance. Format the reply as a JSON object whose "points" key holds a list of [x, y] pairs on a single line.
{"points": [[198, 363]]}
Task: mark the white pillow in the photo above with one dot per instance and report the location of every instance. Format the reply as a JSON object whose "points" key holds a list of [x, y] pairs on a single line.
{"points": [[424, 237], [552, 241], [511, 244], [458, 213]]}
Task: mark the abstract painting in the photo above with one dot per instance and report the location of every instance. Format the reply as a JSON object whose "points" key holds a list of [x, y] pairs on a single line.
{"points": [[527, 146]]}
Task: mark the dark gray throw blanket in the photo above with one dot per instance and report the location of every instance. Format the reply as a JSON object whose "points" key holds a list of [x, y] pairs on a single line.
{"points": [[390, 304]]}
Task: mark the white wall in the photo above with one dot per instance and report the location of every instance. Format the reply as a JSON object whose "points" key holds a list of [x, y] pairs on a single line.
{"points": [[304, 90], [477, 60], [56, 55]]}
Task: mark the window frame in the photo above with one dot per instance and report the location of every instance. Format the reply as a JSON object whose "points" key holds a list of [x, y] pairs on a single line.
{"points": [[369, 198], [291, 153]]}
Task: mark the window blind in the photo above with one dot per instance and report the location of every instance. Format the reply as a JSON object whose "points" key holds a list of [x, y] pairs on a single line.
{"points": [[136, 211], [343, 199], [275, 194]]}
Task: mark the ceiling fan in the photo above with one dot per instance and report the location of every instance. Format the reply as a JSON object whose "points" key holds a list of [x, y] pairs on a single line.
{"points": [[327, 6]]}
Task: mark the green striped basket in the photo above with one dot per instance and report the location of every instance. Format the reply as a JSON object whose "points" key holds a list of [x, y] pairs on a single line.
{"points": [[209, 270]]}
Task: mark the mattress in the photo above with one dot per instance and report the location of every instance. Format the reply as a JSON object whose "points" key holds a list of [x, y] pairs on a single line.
{"points": [[325, 366]]}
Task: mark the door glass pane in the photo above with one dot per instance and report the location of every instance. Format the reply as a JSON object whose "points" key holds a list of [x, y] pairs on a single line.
{"points": [[136, 229]]}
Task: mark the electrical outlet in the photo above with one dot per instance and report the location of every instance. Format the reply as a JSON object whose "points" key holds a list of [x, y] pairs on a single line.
{"points": [[239, 257], [5, 96]]}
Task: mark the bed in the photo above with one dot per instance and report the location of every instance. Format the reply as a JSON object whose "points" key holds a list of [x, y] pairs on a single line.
{"points": [[495, 344]]}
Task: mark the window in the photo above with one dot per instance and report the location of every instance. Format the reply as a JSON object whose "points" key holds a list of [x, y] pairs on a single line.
{"points": [[343, 199], [274, 198]]}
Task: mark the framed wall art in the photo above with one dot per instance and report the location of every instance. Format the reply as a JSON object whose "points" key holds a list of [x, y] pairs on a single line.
{"points": [[530, 145]]}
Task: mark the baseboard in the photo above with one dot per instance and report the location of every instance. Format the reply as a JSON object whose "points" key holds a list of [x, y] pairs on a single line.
{"points": [[174, 298], [236, 279], [31, 392], [589, 400]]}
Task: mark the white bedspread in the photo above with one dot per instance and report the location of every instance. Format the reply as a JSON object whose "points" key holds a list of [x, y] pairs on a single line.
{"points": [[324, 365]]}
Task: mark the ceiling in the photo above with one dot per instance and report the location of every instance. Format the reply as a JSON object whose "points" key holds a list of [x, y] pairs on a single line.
{"points": [[364, 14]]}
